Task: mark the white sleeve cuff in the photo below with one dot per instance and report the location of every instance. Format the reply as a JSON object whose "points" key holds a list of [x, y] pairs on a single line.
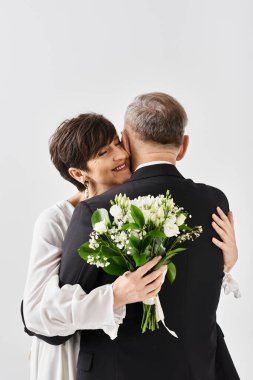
{"points": [[230, 285], [62, 311], [118, 316]]}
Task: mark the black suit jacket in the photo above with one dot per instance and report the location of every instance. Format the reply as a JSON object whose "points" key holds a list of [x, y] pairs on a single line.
{"points": [[189, 304]]}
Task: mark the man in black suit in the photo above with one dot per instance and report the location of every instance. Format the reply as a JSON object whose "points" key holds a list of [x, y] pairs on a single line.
{"points": [[154, 135]]}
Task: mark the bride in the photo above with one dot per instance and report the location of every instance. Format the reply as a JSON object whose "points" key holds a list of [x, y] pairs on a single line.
{"points": [[87, 152]]}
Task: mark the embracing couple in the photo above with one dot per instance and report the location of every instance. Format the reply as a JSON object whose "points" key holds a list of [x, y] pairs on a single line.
{"points": [[86, 323]]}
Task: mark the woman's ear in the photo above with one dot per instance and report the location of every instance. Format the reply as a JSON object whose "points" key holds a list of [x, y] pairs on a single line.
{"points": [[183, 148], [125, 141], [78, 174]]}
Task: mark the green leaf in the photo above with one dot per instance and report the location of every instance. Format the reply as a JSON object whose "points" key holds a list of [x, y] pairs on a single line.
{"points": [[134, 242], [84, 251], [117, 266], [86, 247], [118, 260], [108, 251], [101, 214], [146, 242], [185, 227], [171, 272], [178, 249], [130, 226], [163, 261], [156, 233], [137, 216], [139, 259], [174, 252], [114, 269]]}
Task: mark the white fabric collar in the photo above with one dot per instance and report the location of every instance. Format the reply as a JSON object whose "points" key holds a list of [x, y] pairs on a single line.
{"points": [[153, 163]]}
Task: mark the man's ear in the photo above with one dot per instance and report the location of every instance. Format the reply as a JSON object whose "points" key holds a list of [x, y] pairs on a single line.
{"points": [[125, 141], [78, 174], [183, 148]]}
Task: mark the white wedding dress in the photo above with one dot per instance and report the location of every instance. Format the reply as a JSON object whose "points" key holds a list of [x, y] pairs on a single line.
{"points": [[50, 310]]}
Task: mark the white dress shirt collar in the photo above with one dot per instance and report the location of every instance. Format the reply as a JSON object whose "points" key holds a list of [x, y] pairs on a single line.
{"points": [[153, 163]]}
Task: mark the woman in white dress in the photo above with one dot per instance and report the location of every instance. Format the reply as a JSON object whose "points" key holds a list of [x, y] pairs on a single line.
{"points": [[51, 310]]}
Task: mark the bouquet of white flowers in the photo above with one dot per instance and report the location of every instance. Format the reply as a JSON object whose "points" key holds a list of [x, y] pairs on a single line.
{"points": [[142, 228]]}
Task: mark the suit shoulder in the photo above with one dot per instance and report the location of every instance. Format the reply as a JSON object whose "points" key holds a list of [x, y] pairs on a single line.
{"points": [[82, 211], [212, 192], [84, 206]]}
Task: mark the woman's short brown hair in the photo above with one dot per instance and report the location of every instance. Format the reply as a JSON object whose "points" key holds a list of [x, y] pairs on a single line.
{"points": [[78, 140]]}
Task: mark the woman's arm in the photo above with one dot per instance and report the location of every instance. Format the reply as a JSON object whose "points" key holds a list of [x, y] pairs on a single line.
{"points": [[51, 310], [224, 226], [54, 313]]}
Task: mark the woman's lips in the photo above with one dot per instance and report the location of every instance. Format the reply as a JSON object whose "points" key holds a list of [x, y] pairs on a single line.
{"points": [[120, 168]]}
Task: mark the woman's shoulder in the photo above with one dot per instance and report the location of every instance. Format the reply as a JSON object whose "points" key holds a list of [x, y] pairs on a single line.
{"points": [[59, 213]]}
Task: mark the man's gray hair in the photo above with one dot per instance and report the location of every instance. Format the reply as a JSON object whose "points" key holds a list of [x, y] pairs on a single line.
{"points": [[157, 117]]}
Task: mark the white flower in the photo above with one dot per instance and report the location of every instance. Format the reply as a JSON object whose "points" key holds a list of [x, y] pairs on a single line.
{"points": [[100, 227], [98, 260], [180, 219], [147, 215], [171, 229], [160, 213], [116, 212], [171, 218], [170, 203]]}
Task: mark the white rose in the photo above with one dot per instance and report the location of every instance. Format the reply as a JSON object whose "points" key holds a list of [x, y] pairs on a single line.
{"points": [[171, 218], [180, 219], [100, 227], [171, 229], [116, 212]]}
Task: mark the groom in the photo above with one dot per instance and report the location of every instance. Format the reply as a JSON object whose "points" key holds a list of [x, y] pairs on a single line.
{"points": [[154, 136]]}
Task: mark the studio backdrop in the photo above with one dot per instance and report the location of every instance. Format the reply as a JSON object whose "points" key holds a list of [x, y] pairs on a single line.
{"points": [[61, 58]]}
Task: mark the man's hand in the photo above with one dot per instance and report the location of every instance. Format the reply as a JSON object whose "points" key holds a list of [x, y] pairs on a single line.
{"points": [[224, 226], [136, 287]]}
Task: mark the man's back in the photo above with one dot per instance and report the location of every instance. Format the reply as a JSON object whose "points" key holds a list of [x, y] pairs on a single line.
{"points": [[189, 304]]}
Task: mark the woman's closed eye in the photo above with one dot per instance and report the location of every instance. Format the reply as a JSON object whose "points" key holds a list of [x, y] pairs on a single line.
{"points": [[102, 153]]}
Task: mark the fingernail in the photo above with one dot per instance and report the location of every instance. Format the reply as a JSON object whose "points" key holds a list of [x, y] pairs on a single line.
{"points": [[159, 257]]}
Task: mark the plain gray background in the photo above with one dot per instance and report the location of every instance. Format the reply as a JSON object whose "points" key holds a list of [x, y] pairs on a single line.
{"points": [[60, 58]]}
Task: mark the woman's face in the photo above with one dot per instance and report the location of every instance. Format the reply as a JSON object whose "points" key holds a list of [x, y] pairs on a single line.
{"points": [[110, 167]]}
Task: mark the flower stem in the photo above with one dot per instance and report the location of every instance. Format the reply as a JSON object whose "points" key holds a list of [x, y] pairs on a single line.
{"points": [[149, 321]]}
